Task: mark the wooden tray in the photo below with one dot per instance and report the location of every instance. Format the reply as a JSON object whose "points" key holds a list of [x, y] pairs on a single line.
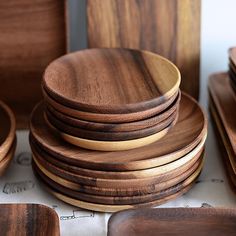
{"points": [[28, 44], [109, 80], [115, 200], [191, 127], [7, 129], [28, 219], [168, 27], [118, 127], [174, 222]]}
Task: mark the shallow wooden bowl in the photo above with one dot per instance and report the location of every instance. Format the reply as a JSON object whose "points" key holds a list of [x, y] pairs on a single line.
{"points": [[110, 117], [117, 127], [173, 221], [191, 127], [7, 129], [111, 80]]}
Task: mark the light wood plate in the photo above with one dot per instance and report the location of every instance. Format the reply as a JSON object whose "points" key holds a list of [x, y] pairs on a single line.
{"points": [[7, 129], [191, 127], [106, 80]]}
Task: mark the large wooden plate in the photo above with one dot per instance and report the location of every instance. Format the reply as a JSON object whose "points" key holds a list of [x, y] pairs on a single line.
{"points": [[111, 80], [191, 127]]}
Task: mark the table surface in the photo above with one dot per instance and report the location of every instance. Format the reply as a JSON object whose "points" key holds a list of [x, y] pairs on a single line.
{"points": [[19, 185]]}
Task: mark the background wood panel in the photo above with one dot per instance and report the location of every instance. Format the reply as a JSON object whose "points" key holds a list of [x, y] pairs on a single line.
{"points": [[168, 27], [32, 34]]}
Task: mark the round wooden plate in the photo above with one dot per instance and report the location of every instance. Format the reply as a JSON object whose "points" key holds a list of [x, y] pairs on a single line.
{"points": [[111, 80], [7, 129], [191, 127], [117, 183], [106, 117], [112, 208], [117, 127], [121, 200]]}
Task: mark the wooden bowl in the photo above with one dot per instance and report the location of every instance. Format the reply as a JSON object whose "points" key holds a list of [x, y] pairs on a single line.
{"points": [[7, 129], [191, 127], [108, 117], [111, 80]]}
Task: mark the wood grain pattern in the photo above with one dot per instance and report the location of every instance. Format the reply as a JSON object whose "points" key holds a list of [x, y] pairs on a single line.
{"points": [[28, 219], [180, 221], [170, 28], [121, 200], [191, 127], [7, 129], [225, 101], [170, 108], [107, 118], [32, 35], [111, 80], [109, 136]]}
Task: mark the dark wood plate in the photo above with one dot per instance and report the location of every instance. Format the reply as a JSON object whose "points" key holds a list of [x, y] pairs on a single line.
{"points": [[191, 127], [118, 127], [28, 219], [173, 222], [105, 80], [119, 200]]}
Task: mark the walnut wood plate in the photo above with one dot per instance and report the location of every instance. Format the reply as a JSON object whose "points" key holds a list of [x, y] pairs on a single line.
{"points": [[7, 129], [157, 176], [32, 35], [191, 127], [28, 219], [115, 200], [106, 80], [107, 117], [225, 101], [118, 127], [173, 222]]}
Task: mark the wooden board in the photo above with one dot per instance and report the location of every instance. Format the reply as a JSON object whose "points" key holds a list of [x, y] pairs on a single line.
{"points": [[191, 127], [28, 219], [7, 129], [170, 28], [107, 118], [120, 200], [32, 35], [225, 102], [117, 127], [111, 80], [180, 221]]}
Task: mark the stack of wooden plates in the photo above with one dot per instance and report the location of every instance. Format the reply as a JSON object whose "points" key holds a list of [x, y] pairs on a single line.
{"points": [[7, 137], [232, 67], [222, 106], [111, 99]]}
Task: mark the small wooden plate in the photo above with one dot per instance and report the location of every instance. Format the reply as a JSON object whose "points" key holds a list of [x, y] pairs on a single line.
{"points": [[5, 162], [117, 127], [108, 117], [174, 222], [28, 219], [191, 127], [115, 200], [109, 80], [7, 129]]}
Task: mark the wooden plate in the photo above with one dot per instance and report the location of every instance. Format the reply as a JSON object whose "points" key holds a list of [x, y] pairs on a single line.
{"points": [[111, 208], [106, 135], [157, 176], [118, 127], [5, 162], [191, 127], [7, 129], [225, 102], [180, 221], [28, 219], [109, 80], [107, 117], [115, 200]]}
